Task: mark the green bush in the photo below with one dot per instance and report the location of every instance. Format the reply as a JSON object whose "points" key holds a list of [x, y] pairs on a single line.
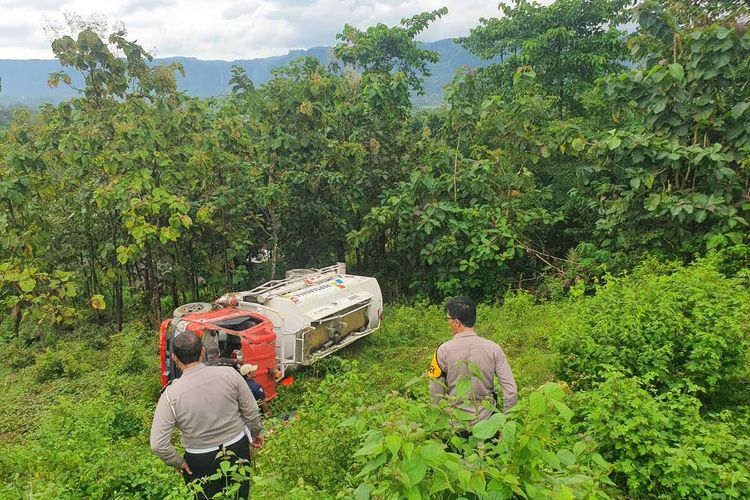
{"points": [[312, 446], [415, 450], [69, 360], [126, 353], [91, 449], [661, 446], [16, 355], [669, 326], [518, 304]]}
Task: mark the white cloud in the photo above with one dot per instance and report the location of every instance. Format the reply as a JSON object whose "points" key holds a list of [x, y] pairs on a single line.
{"points": [[230, 29]]}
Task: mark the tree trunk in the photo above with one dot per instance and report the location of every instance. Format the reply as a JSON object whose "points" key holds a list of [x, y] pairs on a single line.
{"points": [[193, 272], [18, 316], [154, 294], [117, 286], [274, 241]]}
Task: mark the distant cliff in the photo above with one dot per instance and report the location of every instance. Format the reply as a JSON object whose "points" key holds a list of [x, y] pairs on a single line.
{"points": [[25, 81]]}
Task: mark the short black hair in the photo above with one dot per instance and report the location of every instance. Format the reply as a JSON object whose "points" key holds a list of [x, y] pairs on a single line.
{"points": [[463, 309], [187, 347]]}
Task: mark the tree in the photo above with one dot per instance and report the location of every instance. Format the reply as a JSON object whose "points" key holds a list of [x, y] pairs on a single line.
{"points": [[676, 157], [568, 44], [382, 49]]}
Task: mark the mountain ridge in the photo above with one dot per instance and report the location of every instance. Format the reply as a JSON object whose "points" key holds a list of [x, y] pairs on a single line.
{"points": [[24, 81]]}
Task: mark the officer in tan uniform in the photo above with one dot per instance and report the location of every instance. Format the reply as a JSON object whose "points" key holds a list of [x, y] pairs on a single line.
{"points": [[215, 411], [469, 356]]}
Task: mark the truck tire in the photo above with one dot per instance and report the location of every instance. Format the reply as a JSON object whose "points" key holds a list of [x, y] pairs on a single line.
{"points": [[192, 308]]}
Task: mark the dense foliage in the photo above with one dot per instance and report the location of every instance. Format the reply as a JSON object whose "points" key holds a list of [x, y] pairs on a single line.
{"points": [[362, 427], [595, 181], [671, 328]]}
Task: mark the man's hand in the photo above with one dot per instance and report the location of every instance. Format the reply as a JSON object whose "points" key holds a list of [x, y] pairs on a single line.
{"points": [[258, 441], [184, 467]]}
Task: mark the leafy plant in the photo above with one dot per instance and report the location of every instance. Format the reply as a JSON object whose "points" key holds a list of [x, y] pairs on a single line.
{"points": [[414, 450], [661, 446], [670, 327]]}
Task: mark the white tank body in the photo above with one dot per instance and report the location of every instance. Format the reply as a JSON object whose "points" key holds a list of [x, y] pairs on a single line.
{"points": [[315, 312]]}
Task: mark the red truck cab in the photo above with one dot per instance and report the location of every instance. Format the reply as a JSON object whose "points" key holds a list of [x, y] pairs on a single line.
{"points": [[231, 337]]}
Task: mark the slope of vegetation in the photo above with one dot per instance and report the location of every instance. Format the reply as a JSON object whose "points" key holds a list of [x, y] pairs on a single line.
{"points": [[590, 186], [75, 416]]}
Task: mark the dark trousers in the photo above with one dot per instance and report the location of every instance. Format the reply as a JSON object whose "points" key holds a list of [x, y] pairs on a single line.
{"points": [[206, 464]]}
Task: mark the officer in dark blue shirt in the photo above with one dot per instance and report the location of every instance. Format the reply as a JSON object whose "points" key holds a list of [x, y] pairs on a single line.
{"points": [[248, 371]]}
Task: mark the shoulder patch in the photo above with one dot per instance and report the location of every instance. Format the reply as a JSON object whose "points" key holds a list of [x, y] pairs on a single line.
{"points": [[435, 371]]}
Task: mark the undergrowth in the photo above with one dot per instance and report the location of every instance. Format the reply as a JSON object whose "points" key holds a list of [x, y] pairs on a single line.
{"points": [[75, 410]]}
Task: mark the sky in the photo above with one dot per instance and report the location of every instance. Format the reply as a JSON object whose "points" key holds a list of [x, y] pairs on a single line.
{"points": [[226, 29]]}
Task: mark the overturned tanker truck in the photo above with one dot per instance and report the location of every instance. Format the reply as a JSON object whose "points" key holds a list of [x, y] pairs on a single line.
{"points": [[280, 325]]}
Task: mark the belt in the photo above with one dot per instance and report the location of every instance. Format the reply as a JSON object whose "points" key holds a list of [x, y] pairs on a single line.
{"points": [[197, 451]]}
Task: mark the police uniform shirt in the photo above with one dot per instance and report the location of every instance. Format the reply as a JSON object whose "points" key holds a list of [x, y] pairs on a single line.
{"points": [[210, 405], [452, 362]]}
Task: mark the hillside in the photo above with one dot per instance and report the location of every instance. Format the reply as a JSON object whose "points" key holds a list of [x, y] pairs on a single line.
{"points": [[25, 81], [75, 413], [590, 192]]}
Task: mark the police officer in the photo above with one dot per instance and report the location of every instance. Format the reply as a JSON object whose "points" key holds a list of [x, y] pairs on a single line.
{"points": [[213, 407], [469, 356]]}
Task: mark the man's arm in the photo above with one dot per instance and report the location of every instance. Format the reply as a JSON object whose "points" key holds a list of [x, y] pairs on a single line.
{"points": [[161, 433], [248, 406], [437, 377], [507, 382]]}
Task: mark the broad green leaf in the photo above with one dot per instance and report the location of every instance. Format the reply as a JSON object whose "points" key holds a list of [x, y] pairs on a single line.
{"points": [[434, 453], [439, 483], [487, 429], [652, 202], [537, 405], [374, 464], [372, 446], [565, 412], [551, 459], [27, 284], [563, 493], [413, 493], [598, 460], [363, 492], [553, 391], [677, 71], [739, 108], [414, 468], [566, 457], [463, 387], [393, 443], [613, 142]]}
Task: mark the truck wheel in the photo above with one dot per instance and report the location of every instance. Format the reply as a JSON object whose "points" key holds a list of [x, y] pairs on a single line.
{"points": [[192, 308]]}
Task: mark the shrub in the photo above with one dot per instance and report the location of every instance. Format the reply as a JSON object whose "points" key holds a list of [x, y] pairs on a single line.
{"points": [[91, 449], [518, 304], [668, 326], [16, 356], [415, 450], [69, 360], [126, 354], [660, 446], [312, 445]]}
